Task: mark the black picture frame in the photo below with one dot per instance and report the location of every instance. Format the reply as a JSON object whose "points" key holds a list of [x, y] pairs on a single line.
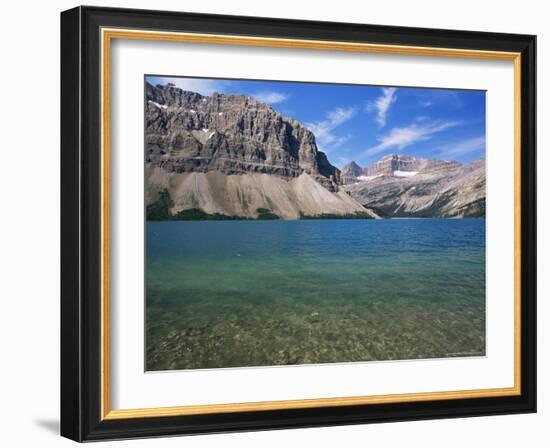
{"points": [[81, 224]]}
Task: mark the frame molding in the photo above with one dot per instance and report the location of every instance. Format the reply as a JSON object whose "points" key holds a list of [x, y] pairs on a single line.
{"points": [[86, 35]]}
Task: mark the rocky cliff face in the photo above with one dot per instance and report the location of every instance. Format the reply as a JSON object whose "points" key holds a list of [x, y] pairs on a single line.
{"points": [[233, 134], [415, 187], [233, 155]]}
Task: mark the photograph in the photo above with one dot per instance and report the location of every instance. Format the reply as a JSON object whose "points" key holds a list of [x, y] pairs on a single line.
{"points": [[274, 222], [292, 223]]}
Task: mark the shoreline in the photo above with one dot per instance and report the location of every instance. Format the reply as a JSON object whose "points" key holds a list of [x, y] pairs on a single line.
{"points": [[399, 218]]}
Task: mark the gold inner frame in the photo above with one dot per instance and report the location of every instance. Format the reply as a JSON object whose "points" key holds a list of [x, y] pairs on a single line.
{"points": [[107, 35]]}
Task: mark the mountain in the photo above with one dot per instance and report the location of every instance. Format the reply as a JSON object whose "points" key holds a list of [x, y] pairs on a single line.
{"points": [[398, 186], [350, 173], [392, 165], [233, 156]]}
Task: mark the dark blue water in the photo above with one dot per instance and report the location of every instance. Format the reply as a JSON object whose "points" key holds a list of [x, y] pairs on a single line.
{"points": [[251, 293]]}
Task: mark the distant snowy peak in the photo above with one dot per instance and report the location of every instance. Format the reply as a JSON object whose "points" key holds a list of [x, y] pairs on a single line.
{"points": [[394, 165]]}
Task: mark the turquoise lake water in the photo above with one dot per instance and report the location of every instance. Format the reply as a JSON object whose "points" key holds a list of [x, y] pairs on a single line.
{"points": [[261, 293]]}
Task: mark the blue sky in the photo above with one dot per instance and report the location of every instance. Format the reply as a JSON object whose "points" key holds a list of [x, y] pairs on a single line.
{"points": [[364, 123]]}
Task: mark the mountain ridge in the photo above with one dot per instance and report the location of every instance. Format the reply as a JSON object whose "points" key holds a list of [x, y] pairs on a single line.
{"points": [[406, 186], [232, 155], [229, 133], [391, 163]]}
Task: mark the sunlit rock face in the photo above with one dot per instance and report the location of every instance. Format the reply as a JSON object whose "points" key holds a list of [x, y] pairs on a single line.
{"points": [[233, 155]]}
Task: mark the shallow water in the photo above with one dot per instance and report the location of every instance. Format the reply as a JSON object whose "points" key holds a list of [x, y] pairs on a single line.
{"points": [[257, 293]]}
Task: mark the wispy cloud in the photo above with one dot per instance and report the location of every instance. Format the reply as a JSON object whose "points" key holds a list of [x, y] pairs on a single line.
{"points": [[202, 86], [463, 148], [440, 97], [382, 104], [271, 97], [323, 129], [400, 138], [339, 141]]}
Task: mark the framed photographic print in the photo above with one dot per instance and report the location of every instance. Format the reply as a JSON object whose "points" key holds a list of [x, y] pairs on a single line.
{"points": [[273, 223]]}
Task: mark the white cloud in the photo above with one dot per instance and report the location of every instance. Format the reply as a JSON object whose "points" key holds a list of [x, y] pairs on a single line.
{"points": [[339, 141], [437, 97], [463, 148], [400, 138], [271, 97], [382, 104], [323, 129], [202, 86]]}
